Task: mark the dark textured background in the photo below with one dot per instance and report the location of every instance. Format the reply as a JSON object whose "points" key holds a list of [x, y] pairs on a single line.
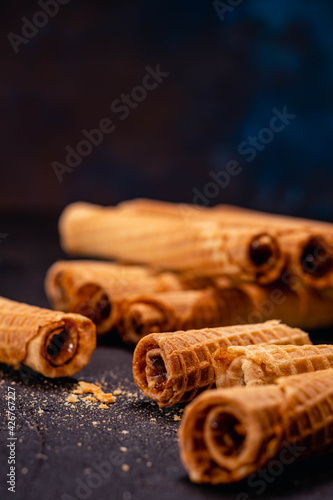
{"points": [[225, 78]]}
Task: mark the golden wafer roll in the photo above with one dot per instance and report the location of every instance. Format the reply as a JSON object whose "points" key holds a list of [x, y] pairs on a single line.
{"points": [[201, 247], [307, 245], [167, 311], [173, 367], [96, 289], [50, 342], [262, 364], [300, 307], [309, 254], [228, 434]]}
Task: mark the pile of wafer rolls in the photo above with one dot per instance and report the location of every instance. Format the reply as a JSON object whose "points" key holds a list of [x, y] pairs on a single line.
{"points": [[180, 267], [215, 301]]}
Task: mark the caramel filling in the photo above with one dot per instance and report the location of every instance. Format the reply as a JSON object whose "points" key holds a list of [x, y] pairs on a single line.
{"points": [[156, 373], [92, 302], [224, 437], [60, 345], [317, 258], [143, 319], [263, 250]]}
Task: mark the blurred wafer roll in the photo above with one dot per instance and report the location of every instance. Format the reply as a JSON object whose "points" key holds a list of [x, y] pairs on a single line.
{"points": [[298, 307], [174, 367], [228, 434], [97, 289], [50, 342], [310, 256], [167, 311], [203, 248], [307, 245], [262, 364]]}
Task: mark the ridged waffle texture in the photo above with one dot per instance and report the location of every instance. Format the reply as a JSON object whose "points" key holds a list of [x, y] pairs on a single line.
{"points": [[228, 434], [262, 364], [203, 247], [174, 367], [23, 328]]}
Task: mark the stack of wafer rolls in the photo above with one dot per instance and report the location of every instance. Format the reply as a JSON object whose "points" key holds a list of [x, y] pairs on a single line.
{"points": [[228, 434], [201, 247], [262, 364], [167, 311], [174, 367], [97, 289], [49, 342]]}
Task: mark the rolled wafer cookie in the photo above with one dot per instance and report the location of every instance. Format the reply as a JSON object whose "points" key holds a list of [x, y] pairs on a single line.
{"points": [[228, 434], [263, 364], [307, 245], [50, 342], [202, 247], [174, 367], [167, 311], [96, 289], [298, 307]]}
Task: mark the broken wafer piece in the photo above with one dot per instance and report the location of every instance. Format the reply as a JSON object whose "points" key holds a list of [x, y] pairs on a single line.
{"points": [[174, 367], [228, 434], [96, 289], [202, 247], [50, 342], [89, 388], [262, 364]]}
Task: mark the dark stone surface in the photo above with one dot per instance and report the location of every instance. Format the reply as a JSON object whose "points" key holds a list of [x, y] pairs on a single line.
{"points": [[72, 451]]}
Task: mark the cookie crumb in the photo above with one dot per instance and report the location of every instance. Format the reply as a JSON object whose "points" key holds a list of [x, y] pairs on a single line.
{"points": [[125, 467], [123, 448], [176, 418]]}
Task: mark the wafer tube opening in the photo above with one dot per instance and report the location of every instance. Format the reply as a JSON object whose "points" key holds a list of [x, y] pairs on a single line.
{"points": [[142, 319], [61, 344], [156, 372], [263, 251], [317, 257], [225, 436], [92, 301]]}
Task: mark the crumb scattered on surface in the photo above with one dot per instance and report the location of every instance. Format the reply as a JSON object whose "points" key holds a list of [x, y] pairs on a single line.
{"points": [[176, 418], [95, 390], [123, 448], [72, 398], [149, 464], [24, 471], [103, 406], [124, 432], [125, 467]]}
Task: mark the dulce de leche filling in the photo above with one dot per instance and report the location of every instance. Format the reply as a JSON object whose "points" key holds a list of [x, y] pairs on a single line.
{"points": [[61, 344], [92, 302], [143, 319], [263, 250], [317, 257]]}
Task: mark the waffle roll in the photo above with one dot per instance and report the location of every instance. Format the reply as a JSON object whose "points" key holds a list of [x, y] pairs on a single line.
{"points": [[174, 367], [50, 342], [97, 289], [306, 244], [201, 247], [167, 311], [263, 364], [310, 256], [299, 306], [228, 434]]}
